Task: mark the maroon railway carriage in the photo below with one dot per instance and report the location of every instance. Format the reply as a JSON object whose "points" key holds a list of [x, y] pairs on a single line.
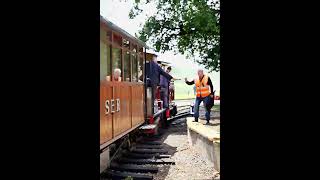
{"points": [[125, 104]]}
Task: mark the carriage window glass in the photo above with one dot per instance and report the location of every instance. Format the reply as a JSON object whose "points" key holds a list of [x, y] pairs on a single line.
{"points": [[127, 67], [134, 48], [116, 58], [140, 52], [140, 68], [117, 40], [103, 34], [104, 61], [134, 67], [109, 35], [126, 43]]}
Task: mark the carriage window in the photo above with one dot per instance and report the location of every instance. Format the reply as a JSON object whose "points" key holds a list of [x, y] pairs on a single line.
{"points": [[116, 58], [134, 48], [104, 61], [140, 68], [127, 67], [134, 67], [126, 43], [117, 40], [140, 51], [109, 35], [105, 34], [102, 34]]}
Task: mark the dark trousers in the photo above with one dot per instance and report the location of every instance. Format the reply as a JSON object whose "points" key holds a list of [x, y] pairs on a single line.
{"points": [[154, 91], [164, 96], [196, 107]]}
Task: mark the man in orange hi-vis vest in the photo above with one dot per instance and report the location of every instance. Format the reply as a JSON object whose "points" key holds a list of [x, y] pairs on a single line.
{"points": [[204, 92]]}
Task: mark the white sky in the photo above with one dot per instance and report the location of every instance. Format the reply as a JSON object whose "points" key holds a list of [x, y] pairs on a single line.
{"points": [[117, 11]]}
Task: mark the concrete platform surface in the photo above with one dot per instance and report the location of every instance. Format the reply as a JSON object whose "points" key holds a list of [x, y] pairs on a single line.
{"points": [[212, 131], [206, 140]]}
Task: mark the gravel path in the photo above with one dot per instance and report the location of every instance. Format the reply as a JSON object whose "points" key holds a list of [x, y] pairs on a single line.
{"points": [[189, 163]]}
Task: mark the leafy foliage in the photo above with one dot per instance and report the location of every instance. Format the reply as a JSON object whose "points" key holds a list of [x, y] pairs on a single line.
{"points": [[190, 27]]}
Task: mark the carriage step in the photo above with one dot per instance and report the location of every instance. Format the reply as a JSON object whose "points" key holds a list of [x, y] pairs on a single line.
{"points": [[148, 127]]}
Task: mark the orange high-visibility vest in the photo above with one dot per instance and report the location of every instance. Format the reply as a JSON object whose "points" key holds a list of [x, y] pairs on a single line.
{"points": [[202, 88]]}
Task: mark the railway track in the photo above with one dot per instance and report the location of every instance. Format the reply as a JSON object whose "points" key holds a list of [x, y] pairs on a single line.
{"points": [[141, 160]]}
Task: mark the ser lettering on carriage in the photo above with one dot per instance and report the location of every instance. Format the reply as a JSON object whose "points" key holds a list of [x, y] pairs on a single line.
{"points": [[112, 105]]}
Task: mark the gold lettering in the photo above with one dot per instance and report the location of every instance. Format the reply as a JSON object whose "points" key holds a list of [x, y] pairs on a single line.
{"points": [[118, 105], [112, 105], [107, 106]]}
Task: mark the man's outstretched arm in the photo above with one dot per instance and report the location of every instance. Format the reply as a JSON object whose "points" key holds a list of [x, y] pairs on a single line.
{"points": [[188, 82]]}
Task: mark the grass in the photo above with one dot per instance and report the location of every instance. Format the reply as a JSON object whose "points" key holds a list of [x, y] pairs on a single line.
{"points": [[183, 91], [216, 108], [183, 96]]}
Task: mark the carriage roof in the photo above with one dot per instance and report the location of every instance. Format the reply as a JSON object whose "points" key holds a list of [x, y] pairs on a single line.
{"points": [[123, 32]]}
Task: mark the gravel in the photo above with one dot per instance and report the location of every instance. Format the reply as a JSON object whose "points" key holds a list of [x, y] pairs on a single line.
{"points": [[189, 164]]}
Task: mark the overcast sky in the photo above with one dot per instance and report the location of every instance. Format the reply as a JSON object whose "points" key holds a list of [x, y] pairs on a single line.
{"points": [[117, 11]]}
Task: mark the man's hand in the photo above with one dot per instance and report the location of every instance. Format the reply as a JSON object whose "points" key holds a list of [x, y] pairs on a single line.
{"points": [[211, 96]]}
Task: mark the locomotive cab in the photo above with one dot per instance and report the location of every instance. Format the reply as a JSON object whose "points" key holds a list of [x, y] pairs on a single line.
{"points": [[155, 103]]}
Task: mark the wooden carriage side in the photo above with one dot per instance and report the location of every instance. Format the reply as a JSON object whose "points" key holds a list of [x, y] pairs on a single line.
{"points": [[121, 103]]}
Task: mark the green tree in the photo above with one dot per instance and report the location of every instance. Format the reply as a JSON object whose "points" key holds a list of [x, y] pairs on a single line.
{"points": [[190, 27]]}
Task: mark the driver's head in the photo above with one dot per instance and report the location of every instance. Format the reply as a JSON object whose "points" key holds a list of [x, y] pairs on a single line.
{"points": [[200, 73], [154, 58], [169, 69]]}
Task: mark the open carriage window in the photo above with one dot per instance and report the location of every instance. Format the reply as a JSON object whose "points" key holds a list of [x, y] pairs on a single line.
{"points": [[134, 48], [140, 69], [134, 61], [105, 34], [109, 34], [141, 50], [126, 44], [104, 61], [127, 67], [116, 58], [117, 40]]}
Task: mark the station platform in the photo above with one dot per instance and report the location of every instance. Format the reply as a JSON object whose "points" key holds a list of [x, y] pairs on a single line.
{"points": [[205, 139]]}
